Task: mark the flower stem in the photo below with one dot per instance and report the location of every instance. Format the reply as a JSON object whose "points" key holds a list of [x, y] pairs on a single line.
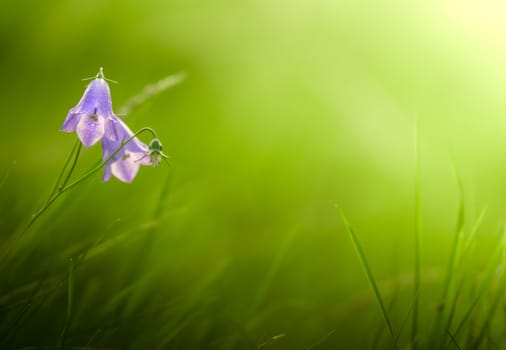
{"points": [[99, 166], [77, 144], [72, 167], [64, 187]]}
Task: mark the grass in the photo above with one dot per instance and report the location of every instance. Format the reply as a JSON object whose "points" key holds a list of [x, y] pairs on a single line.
{"points": [[198, 309], [491, 281], [185, 266], [370, 277], [108, 299], [417, 239], [444, 335]]}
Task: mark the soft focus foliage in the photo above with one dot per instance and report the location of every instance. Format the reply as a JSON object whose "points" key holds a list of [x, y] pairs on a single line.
{"points": [[289, 108]]}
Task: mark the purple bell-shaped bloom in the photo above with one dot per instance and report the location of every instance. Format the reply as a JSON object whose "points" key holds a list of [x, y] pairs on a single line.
{"points": [[93, 117], [125, 164]]}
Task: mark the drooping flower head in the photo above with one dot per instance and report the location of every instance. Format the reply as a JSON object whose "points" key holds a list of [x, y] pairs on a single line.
{"points": [[155, 152], [125, 164], [92, 118]]}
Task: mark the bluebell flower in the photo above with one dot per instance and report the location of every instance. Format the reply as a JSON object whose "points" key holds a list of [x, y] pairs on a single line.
{"points": [[125, 164], [155, 152], [92, 118]]}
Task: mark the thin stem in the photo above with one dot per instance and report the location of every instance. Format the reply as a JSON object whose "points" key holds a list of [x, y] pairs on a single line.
{"points": [[72, 167], [70, 301], [98, 167], [63, 188], [150, 91], [418, 243], [365, 264], [76, 149], [57, 184]]}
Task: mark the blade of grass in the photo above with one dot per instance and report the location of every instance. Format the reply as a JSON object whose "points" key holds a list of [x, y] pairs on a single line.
{"points": [[319, 342], [488, 319], [379, 331], [272, 271], [418, 241], [150, 91], [75, 147], [466, 251], [406, 319], [454, 341], [489, 274], [504, 281], [395, 288], [6, 174], [453, 309], [452, 264], [14, 326], [363, 259], [70, 301], [470, 238]]}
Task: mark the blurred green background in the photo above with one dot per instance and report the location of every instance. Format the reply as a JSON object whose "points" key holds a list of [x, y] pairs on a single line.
{"points": [[289, 109]]}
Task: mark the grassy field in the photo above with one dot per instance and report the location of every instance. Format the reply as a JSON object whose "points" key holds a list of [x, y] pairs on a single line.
{"points": [[336, 176]]}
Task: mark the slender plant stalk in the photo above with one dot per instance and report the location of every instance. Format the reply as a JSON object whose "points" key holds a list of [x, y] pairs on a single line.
{"points": [[418, 242], [57, 184], [504, 278], [453, 309], [273, 270], [72, 167], [63, 189], [394, 296], [70, 302], [494, 306], [448, 288], [451, 271], [6, 174], [467, 245], [370, 277], [101, 165], [454, 341], [489, 274], [405, 321], [16, 323], [150, 91]]}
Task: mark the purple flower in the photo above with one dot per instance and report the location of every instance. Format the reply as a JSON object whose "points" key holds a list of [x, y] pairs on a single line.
{"points": [[92, 118], [125, 164]]}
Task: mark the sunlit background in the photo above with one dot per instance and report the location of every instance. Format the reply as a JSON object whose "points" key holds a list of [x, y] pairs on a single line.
{"points": [[289, 110]]}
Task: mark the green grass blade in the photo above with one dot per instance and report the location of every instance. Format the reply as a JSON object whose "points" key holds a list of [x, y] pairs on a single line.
{"points": [[482, 287], [64, 168], [470, 238], [406, 319], [273, 270], [418, 241], [455, 252], [488, 320], [370, 277], [452, 266], [70, 302], [6, 174], [454, 341]]}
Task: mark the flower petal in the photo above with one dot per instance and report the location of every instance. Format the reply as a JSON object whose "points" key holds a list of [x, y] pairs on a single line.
{"points": [[107, 173], [70, 123], [111, 131], [90, 129], [102, 96], [126, 168], [96, 99], [108, 147]]}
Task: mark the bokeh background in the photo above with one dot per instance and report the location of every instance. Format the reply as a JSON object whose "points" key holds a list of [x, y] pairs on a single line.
{"points": [[289, 109]]}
